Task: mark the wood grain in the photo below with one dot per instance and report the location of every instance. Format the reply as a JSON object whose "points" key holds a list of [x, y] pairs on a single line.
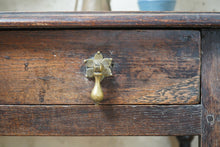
{"points": [[149, 66], [210, 91], [109, 20], [91, 120]]}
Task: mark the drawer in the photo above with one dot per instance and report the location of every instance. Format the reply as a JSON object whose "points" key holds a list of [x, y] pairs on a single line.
{"points": [[148, 66]]}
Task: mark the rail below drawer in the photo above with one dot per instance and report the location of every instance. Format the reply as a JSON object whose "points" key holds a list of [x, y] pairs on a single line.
{"points": [[91, 120]]}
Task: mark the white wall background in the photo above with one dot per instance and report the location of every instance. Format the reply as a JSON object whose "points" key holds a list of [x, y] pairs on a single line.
{"points": [[117, 5]]}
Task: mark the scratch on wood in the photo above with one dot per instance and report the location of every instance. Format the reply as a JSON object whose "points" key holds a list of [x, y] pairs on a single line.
{"points": [[41, 95], [26, 66], [7, 57], [183, 91]]}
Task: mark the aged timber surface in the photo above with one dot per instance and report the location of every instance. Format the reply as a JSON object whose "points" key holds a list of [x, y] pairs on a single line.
{"points": [[109, 20], [210, 91], [94, 120], [149, 66]]}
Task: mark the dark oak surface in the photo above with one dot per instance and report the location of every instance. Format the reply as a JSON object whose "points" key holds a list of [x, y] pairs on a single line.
{"points": [[94, 120], [109, 20], [149, 66], [202, 119], [210, 91]]}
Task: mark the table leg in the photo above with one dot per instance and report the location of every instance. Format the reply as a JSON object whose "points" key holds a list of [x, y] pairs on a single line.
{"points": [[185, 141]]}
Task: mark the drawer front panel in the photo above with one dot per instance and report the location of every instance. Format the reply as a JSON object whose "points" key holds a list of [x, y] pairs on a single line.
{"points": [[149, 66]]}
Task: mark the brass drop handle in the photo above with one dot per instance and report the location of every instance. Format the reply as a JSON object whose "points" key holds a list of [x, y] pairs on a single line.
{"points": [[99, 68], [97, 93]]}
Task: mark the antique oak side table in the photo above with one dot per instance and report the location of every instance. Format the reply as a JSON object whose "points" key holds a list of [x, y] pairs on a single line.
{"points": [[115, 73]]}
